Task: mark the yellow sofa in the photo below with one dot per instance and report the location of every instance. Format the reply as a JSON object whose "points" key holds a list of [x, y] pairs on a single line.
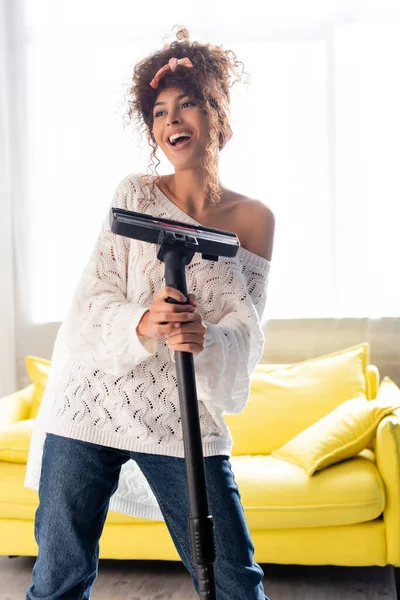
{"points": [[345, 514]]}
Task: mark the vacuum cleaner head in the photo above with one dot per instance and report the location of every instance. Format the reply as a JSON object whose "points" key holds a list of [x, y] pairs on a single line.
{"points": [[210, 242]]}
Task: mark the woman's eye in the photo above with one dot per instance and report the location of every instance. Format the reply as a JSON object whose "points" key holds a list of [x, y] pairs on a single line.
{"points": [[161, 111]]}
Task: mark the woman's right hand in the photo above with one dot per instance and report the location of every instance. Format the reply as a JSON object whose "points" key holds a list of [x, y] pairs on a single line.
{"points": [[162, 317]]}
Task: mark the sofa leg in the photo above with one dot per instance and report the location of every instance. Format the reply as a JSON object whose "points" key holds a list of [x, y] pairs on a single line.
{"points": [[16, 556]]}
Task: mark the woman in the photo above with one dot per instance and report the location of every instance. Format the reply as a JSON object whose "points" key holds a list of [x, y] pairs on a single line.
{"points": [[108, 434]]}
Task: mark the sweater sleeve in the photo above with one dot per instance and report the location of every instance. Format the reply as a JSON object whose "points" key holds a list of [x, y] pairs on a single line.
{"points": [[101, 323], [234, 343]]}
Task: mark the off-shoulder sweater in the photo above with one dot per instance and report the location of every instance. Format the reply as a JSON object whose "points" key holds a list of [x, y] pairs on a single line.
{"points": [[108, 385]]}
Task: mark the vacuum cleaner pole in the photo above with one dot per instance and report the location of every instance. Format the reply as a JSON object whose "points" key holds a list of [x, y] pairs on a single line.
{"points": [[176, 244], [201, 525]]}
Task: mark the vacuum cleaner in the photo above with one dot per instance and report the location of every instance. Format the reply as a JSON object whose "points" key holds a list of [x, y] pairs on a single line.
{"points": [[176, 244]]}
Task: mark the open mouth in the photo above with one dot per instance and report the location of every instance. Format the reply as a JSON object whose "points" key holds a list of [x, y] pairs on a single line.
{"points": [[180, 142]]}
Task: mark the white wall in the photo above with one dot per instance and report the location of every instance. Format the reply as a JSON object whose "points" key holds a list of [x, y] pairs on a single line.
{"points": [[286, 341]]}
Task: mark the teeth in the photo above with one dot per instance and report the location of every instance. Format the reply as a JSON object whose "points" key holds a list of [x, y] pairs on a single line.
{"points": [[176, 135]]}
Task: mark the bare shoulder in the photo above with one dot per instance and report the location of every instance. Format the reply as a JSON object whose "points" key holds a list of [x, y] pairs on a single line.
{"points": [[259, 224]]}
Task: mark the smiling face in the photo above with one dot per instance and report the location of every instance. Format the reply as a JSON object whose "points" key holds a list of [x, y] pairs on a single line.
{"points": [[174, 110]]}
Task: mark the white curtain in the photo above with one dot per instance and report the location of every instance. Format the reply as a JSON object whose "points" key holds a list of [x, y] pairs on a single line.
{"points": [[315, 137], [8, 378]]}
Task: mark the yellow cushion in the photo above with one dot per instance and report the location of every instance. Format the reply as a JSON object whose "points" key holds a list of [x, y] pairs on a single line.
{"points": [[16, 407], [15, 440], [38, 370], [286, 401], [277, 495], [342, 433]]}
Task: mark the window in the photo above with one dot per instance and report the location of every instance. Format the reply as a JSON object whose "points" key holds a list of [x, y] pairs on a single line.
{"points": [[316, 137]]}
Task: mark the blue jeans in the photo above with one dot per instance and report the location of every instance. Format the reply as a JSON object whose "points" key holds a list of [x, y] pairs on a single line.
{"points": [[77, 481]]}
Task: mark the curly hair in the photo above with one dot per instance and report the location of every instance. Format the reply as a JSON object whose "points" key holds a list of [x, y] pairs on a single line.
{"points": [[208, 82]]}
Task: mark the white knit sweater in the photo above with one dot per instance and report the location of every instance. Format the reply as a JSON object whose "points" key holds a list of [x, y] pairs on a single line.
{"points": [[109, 386]]}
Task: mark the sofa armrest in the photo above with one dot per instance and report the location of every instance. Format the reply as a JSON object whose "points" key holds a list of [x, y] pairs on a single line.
{"points": [[16, 407], [387, 456]]}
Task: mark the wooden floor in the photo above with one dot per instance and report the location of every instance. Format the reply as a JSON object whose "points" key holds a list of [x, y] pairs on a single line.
{"points": [[160, 580]]}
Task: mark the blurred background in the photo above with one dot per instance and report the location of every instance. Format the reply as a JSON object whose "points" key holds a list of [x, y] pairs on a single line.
{"points": [[316, 137]]}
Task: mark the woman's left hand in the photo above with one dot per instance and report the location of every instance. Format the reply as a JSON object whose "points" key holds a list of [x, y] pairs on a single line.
{"points": [[189, 337]]}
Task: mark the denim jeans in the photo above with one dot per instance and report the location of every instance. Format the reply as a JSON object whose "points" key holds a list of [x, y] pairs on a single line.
{"points": [[77, 481]]}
